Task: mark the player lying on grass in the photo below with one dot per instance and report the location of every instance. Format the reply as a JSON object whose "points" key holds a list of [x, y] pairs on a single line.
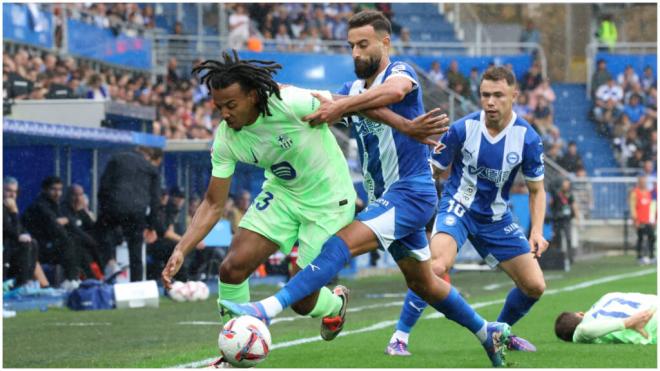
{"points": [[402, 195], [486, 149], [617, 317], [308, 194]]}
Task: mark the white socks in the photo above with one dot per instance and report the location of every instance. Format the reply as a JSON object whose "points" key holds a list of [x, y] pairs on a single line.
{"points": [[398, 334], [482, 334], [272, 306]]}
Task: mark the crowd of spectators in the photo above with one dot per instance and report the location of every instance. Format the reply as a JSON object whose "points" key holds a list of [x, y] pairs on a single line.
{"points": [[183, 108], [60, 233], [625, 110]]}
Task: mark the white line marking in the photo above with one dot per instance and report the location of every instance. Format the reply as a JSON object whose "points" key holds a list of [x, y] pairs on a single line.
{"points": [[384, 324], [82, 324]]}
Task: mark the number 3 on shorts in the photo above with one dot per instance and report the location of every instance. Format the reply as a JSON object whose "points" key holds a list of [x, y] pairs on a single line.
{"points": [[456, 208], [262, 205]]}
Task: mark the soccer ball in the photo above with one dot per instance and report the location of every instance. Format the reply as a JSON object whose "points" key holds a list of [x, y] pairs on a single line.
{"points": [[189, 291], [244, 341]]}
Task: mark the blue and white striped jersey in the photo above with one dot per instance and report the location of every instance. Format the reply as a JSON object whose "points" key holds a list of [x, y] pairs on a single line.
{"points": [[388, 156], [484, 167]]}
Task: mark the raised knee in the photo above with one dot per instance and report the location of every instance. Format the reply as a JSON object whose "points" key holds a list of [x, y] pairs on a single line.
{"points": [[233, 273], [534, 290], [439, 268]]}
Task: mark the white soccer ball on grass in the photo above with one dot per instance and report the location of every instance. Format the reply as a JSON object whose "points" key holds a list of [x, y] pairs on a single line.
{"points": [[244, 341]]}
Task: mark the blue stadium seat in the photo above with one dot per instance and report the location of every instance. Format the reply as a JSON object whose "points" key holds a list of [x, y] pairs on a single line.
{"points": [[571, 111]]}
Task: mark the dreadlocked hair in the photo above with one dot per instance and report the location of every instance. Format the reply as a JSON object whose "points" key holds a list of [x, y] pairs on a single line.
{"points": [[250, 74]]}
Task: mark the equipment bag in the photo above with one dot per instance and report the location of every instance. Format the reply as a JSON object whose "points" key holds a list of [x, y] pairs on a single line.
{"points": [[92, 295]]}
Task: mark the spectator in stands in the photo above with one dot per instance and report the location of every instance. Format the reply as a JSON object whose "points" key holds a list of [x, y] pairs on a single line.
{"points": [[600, 77], [530, 34], [46, 221], [609, 105], [193, 204], [583, 192], [542, 90], [81, 222], [170, 207], [563, 209], [128, 198], [643, 216], [628, 146], [648, 79], [532, 78], [627, 78], [454, 76], [543, 115], [239, 27], [571, 160], [96, 90], [649, 172], [634, 114], [282, 38], [553, 138], [173, 77], [635, 88], [637, 158], [607, 33], [402, 45], [554, 152], [20, 252], [474, 82], [436, 75], [313, 42], [522, 109]]}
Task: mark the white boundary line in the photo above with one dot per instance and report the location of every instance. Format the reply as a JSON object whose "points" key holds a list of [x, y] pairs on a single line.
{"points": [[384, 324]]}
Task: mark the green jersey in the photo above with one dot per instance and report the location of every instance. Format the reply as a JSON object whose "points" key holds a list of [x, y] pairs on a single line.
{"points": [[302, 161], [603, 323]]}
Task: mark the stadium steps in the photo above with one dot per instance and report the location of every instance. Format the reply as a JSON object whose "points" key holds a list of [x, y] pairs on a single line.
{"points": [[424, 22], [571, 117]]}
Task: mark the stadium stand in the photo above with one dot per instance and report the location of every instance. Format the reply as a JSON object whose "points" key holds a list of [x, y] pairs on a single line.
{"points": [[140, 80]]}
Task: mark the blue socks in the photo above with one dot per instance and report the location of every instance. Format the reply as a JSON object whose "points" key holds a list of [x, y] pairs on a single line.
{"points": [[458, 310], [413, 307], [334, 255], [517, 304]]}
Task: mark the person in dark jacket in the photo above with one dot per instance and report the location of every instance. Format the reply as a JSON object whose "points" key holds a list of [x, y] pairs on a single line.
{"points": [[20, 251], [82, 226], [47, 222], [128, 197]]}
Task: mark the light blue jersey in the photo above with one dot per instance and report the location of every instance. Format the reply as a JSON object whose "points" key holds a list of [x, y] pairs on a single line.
{"points": [[387, 155], [397, 175], [484, 167]]}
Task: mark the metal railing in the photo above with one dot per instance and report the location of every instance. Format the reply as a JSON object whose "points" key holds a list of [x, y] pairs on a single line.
{"points": [[621, 48], [609, 196], [468, 26], [187, 48]]}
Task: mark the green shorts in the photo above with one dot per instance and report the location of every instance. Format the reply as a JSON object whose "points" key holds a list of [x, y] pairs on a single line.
{"points": [[278, 217]]}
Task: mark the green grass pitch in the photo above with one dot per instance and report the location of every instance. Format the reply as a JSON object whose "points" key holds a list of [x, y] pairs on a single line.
{"points": [[179, 334]]}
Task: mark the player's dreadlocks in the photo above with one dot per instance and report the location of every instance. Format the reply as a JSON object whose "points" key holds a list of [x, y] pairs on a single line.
{"points": [[249, 74]]}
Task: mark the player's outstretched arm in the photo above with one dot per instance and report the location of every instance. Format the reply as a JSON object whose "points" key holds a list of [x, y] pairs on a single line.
{"points": [[391, 91], [424, 128], [537, 196], [207, 215]]}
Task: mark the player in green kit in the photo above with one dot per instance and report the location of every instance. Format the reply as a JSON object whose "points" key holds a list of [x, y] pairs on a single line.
{"points": [[308, 193], [617, 317]]}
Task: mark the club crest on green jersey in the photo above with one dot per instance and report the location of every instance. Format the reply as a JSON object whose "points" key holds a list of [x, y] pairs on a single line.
{"points": [[284, 141]]}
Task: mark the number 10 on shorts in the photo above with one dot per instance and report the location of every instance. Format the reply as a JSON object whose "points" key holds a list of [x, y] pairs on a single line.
{"points": [[456, 208]]}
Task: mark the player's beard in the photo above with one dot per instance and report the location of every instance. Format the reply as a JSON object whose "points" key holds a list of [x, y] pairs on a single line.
{"points": [[364, 69]]}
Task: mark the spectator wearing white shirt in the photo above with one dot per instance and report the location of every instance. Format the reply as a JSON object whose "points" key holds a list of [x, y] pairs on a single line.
{"points": [[239, 27], [609, 105], [436, 74], [627, 78]]}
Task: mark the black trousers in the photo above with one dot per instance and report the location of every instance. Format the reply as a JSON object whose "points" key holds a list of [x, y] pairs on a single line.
{"points": [[159, 253], [561, 228], [112, 229], [22, 260], [648, 231]]}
